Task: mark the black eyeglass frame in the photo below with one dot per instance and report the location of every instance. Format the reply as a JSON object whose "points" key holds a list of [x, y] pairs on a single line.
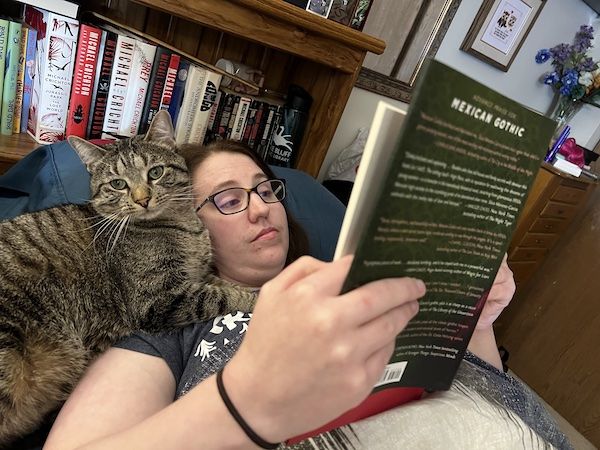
{"points": [[249, 191]]}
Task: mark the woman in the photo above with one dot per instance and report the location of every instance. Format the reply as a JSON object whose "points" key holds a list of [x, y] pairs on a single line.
{"points": [[309, 355]]}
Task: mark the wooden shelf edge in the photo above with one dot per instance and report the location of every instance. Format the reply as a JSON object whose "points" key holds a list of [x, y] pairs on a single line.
{"points": [[16, 146]]}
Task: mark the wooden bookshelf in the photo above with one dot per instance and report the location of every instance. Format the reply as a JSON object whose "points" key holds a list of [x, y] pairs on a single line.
{"points": [[13, 148]]}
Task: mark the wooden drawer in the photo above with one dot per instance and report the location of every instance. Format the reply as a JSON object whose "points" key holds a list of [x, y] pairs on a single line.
{"points": [[522, 271], [558, 210], [542, 225], [540, 240], [568, 194], [528, 254]]}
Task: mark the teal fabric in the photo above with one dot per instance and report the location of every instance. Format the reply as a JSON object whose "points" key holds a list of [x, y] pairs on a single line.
{"points": [[54, 175]]}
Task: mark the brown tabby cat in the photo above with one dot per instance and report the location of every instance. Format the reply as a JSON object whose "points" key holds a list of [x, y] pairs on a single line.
{"points": [[76, 278]]}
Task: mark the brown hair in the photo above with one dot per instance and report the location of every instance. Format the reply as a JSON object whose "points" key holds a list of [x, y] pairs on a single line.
{"points": [[196, 154]]}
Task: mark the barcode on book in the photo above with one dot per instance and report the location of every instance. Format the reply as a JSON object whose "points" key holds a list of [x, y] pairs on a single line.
{"points": [[392, 373]]}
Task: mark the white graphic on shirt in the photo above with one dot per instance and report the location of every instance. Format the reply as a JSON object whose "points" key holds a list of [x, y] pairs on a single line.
{"points": [[205, 348], [229, 321]]}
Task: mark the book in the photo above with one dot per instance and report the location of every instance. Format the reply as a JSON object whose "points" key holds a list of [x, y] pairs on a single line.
{"points": [[237, 131], [160, 66], [102, 88], [11, 67], [62, 7], [170, 79], [192, 98], [3, 43], [29, 67], [53, 72], [209, 99], [234, 109], [84, 76], [437, 198], [178, 90], [20, 80], [139, 78], [212, 117], [101, 48], [117, 91]]}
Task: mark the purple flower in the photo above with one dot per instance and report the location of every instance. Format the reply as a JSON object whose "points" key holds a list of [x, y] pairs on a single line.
{"points": [[542, 56], [587, 64], [583, 38], [561, 53], [550, 78]]}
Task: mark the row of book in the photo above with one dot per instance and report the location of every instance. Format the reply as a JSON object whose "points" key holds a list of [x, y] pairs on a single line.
{"points": [[99, 81]]}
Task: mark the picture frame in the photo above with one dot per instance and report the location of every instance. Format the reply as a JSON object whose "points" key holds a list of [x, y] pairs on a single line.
{"points": [[499, 30], [319, 7]]}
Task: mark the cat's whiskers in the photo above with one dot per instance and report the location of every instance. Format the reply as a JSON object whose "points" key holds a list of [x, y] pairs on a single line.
{"points": [[100, 222], [108, 221], [123, 225]]}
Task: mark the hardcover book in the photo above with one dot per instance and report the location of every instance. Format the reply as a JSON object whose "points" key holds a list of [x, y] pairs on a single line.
{"points": [[178, 90], [11, 68], [139, 78], [83, 80], [237, 132], [119, 82], [102, 88], [437, 197], [209, 99], [53, 73], [192, 98], [28, 77], [170, 79], [3, 42], [20, 80], [160, 66]]}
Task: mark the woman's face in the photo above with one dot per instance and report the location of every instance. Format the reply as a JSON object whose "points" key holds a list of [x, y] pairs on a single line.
{"points": [[249, 247]]}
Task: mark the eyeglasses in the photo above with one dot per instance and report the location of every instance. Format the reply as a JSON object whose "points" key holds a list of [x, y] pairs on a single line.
{"points": [[236, 200]]}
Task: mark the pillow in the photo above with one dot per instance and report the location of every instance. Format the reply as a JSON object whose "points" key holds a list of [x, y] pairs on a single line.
{"points": [[54, 175]]}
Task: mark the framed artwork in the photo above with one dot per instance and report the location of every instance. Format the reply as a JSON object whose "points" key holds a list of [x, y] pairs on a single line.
{"points": [[499, 30], [413, 30], [319, 7]]}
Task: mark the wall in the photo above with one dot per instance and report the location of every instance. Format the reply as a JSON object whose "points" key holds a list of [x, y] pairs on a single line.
{"points": [[557, 22]]}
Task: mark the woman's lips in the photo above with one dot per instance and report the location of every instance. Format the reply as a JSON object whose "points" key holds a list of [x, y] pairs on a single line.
{"points": [[266, 234]]}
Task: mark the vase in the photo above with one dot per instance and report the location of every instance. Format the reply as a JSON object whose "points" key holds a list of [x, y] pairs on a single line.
{"points": [[562, 110]]}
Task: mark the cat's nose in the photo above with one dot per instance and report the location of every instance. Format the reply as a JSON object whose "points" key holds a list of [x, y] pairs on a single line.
{"points": [[143, 201]]}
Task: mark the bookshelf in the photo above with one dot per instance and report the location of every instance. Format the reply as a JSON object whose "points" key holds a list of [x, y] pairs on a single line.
{"points": [[290, 46]]}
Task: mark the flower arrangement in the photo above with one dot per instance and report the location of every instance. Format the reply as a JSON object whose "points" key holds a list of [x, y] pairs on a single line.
{"points": [[575, 76]]}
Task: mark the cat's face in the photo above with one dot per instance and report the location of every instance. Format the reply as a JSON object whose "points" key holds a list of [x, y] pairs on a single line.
{"points": [[141, 178]]}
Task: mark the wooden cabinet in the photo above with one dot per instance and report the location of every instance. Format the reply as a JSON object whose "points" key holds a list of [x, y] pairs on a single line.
{"points": [[290, 45], [554, 201]]}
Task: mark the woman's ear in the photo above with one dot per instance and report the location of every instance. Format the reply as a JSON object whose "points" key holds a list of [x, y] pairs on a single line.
{"points": [[161, 130], [88, 152]]}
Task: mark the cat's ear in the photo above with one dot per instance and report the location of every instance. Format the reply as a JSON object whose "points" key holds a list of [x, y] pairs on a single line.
{"points": [[161, 130], [88, 152]]}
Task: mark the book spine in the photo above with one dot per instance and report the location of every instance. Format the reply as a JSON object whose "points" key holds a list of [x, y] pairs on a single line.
{"points": [[209, 100], [252, 110], [263, 144], [170, 79], [155, 87], [139, 78], [237, 132], [234, 109], [83, 80], [225, 115], [178, 90], [119, 82], [194, 89], [28, 74], [101, 48], [258, 120], [20, 80], [9, 90], [214, 111], [98, 109], [3, 45], [55, 57]]}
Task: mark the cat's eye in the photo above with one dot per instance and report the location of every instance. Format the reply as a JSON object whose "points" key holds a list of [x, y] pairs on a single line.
{"points": [[118, 184], [156, 172]]}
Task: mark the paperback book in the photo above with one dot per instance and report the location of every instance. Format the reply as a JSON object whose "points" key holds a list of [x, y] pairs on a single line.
{"points": [[11, 68], [437, 197], [28, 75]]}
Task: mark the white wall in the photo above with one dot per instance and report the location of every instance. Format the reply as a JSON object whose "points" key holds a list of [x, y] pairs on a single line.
{"points": [[557, 22]]}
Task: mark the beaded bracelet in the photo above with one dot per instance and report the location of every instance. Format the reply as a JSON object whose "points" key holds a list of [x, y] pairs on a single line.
{"points": [[238, 418]]}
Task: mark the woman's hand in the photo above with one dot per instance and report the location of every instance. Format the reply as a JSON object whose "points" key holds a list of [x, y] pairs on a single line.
{"points": [[311, 354], [500, 295]]}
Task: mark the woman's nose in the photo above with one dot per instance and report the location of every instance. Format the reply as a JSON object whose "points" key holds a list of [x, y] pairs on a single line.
{"points": [[256, 207]]}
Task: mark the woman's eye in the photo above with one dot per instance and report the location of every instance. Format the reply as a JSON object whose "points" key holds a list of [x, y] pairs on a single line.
{"points": [[229, 203], [118, 184], [156, 172]]}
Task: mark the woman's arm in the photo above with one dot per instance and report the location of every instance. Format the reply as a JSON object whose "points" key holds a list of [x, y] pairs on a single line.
{"points": [[288, 377], [483, 342]]}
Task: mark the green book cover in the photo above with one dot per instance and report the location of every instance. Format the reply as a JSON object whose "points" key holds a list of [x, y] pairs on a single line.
{"points": [[451, 192], [3, 42], [9, 90]]}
